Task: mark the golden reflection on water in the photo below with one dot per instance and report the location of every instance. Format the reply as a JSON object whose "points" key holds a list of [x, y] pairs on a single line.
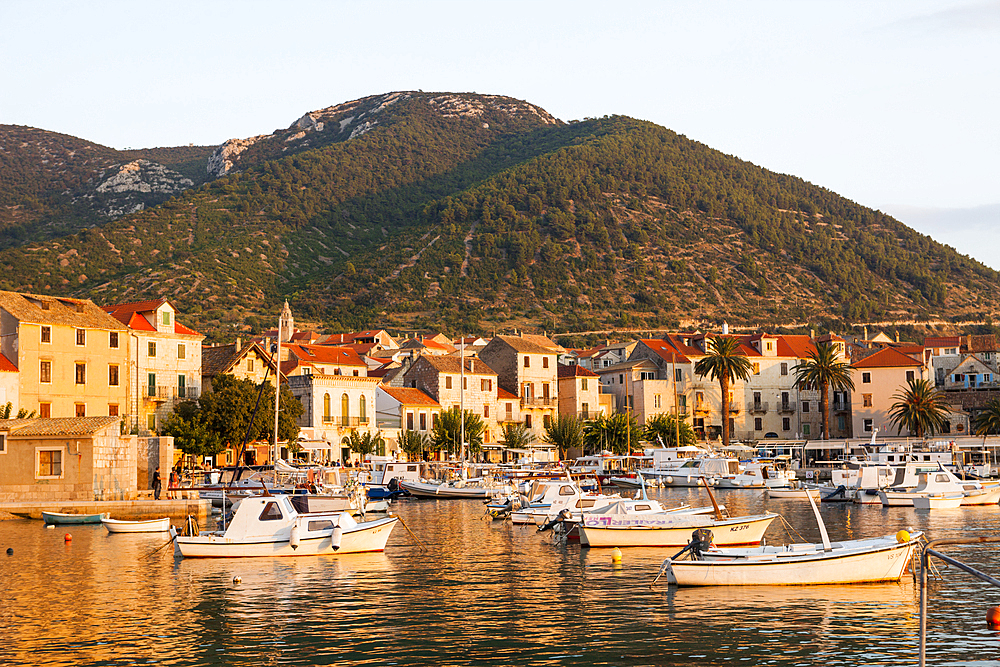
{"points": [[480, 593]]}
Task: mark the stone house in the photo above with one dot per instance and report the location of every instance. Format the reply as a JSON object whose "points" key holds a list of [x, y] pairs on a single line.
{"points": [[402, 409], [580, 393], [440, 378], [527, 367], [245, 361]]}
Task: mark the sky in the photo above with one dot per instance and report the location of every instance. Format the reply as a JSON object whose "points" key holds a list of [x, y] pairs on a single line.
{"points": [[892, 104]]}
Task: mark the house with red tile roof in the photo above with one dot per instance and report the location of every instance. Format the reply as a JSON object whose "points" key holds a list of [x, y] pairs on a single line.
{"points": [[580, 393], [166, 356], [402, 409], [878, 378]]}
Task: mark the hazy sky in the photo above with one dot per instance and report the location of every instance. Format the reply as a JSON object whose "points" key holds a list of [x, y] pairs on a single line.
{"points": [[892, 104]]}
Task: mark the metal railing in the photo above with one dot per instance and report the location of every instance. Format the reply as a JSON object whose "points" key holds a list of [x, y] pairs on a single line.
{"points": [[838, 406], [786, 408], [924, 564], [345, 422], [702, 409], [757, 407], [539, 402]]}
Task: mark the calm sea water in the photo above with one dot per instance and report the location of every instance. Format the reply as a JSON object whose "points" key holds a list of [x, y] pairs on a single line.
{"points": [[480, 593]]}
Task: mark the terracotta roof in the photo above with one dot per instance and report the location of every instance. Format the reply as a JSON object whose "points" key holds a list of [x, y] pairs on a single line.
{"points": [[886, 358], [942, 341], [525, 345], [6, 365], [565, 371], [671, 348], [70, 426], [410, 396], [798, 346], [325, 354], [218, 359], [450, 365], [131, 314], [39, 309], [504, 395], [138, 323]]}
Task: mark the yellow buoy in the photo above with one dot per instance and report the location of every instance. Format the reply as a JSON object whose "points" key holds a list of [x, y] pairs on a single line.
{"points": [[616, 555], [237, 579], [902, 537]]}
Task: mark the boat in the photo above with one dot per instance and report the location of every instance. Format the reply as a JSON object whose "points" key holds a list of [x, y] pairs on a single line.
{"points": [[271, 526], [936, 482], [758, 474], [144, 526], [869, 560], [61, 519], [938, 501], [463, 488], [669, 529], [798, 493], [979, 493], [701, 472]]}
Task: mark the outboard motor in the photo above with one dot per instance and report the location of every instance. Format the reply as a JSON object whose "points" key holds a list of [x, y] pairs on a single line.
{"points": [[839, 491], [393, 485], [701, 540], [561, 517]]}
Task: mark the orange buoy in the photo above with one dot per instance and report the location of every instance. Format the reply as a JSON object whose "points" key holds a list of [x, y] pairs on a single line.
{"points": [[993, 618], [68, 537]]}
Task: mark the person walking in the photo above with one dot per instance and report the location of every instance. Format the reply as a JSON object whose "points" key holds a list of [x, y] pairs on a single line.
{"points": [[157, 483]]}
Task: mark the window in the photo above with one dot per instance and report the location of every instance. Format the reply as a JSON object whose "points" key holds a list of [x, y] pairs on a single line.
{"points": [[486, 411], [249, 365], [46, 334], [327, 408], [363, 410], [950, 350], [423, 421], [81, 409], [656, 400], [482, 384], [866, 400], [151, 348], [547, 420], [805, 406], [527, 421], [909, 376], [151, 421], [769, 346], [585, 409], [45, 410], [345, 408], [647, 375], [409, 421], [841, 422], [583, 384], [355, 374], [271, 510], [784, 368], [959, 377], [621, 378], [112, 409], [866, 378], [527, 362], [45, 371], [447, 382], [758, 424], [81, 336], [48, 463], [786, 424], [151, 384], [181, 351], [987, 377], [165, 318], [868, 426], [805, 429], [81, 373], [545, 362], [113, 339], [756, 368], [678, 375], [510, 411], [113, 375], [465, 383], [181, 386], [3, 444]]}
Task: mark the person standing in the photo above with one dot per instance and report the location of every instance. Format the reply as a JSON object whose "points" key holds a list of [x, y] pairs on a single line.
{"points": [[174, 483], [157, 483]]}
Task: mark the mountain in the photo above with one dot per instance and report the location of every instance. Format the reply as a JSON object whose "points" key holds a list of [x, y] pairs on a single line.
{"points": [[469, 212]]}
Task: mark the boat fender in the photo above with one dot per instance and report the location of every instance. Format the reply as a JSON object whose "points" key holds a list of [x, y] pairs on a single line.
{"points": [[669, 480], [335, 538], [293, 538]]}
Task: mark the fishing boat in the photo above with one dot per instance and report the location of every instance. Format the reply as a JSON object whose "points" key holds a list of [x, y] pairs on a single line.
{"points": [[849, 562], [145, 526], [797, 493], [270, 526], [938, 501], [669, 529], [463, 488], [61, 519]]}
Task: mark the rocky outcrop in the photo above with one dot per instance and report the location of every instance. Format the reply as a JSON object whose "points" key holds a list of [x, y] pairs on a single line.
{"points": [[144, 176], [226, 155]]}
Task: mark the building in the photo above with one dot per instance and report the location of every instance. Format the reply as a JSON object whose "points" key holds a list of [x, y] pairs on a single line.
{"points": [[166, 360], [580, 393], [527, 367], [334, 406], [72, 358], [402, 409], [246, 361], [877, 379], [441, 378]]}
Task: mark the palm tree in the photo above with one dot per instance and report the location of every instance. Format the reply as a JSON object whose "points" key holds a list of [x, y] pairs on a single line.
{"points": [[724, 362], [663, 428], [988, 420], [822, 369], [920, 408], [516, 436], [447, 432], [565, 433]]}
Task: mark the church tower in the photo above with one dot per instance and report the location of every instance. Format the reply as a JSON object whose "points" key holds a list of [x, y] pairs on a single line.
{"points": [[286, 325]]}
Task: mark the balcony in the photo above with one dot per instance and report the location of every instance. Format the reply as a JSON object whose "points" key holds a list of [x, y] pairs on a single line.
{"points": [[186, 393], [157, 393], [533, 402], [734, 408], [839, 406], [786, 408], [757, 408], [344, 422], [702, 409]]}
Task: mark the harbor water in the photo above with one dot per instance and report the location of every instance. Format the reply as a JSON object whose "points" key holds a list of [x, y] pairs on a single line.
{"points": [[480, 592]]}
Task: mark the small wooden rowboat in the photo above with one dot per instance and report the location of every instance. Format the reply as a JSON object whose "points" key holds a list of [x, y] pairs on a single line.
{"points": [[59, 519], [147, 526]]}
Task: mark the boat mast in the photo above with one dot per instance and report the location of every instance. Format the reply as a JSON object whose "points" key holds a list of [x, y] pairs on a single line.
{"points": [[461, 393], [277, 379]]}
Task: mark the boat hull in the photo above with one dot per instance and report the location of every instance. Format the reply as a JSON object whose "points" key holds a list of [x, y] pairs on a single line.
{"points": [[420, 490], [729, 532], [60, 519], [987, 496], [368, 536], [877, 565], [148, 526], [938, 502], [799, 494]]}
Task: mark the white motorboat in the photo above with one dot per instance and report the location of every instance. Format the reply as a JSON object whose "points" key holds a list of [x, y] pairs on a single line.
{"points": [[700, 472], [936, 482], [145, 526], [979, 493], [756, 475], [669, 529], [938, 501], [849, 562], [463, 488], [797, 493], [270, 526]]}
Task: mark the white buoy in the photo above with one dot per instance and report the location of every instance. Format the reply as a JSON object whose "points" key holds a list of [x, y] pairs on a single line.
{"points": [[335, 537], [293, 538]]}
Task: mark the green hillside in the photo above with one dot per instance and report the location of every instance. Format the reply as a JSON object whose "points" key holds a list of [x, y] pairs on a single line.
{"points": [[416, 210]]}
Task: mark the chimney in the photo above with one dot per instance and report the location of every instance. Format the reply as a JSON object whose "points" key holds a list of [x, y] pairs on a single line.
{"points": [[866, 332], [812, 334], [725, 328], [897, 335], [239, 344], [472, 365]]}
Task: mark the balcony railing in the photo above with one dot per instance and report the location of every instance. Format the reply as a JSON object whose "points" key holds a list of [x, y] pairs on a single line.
{"points": [[757, 407], [536, 402], [186, 393], [838, 406], [734, 408], [345, 422], [158, 393], [702, 409], [786, 408]]}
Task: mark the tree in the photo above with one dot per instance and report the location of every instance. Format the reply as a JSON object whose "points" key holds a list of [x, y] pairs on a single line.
{"points": [[414, 444], [447, 431], [662, 428], [824, 370], [367, 443], [920, 408], [516, 436], [565, 432], [190, 432], [725, 363], [617, 433], [988, 420]]}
